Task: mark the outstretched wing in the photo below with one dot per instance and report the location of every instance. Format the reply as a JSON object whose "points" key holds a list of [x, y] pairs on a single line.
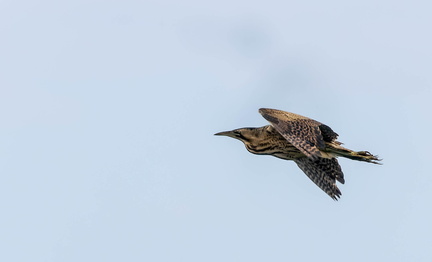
{"points": [[306, 134], [323, 172]]}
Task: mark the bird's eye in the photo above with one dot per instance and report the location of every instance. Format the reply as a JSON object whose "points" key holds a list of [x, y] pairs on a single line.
{"points": [[240, 135]]}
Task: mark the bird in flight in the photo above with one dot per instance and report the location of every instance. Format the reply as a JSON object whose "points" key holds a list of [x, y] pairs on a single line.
{"points": [[309, 143]]}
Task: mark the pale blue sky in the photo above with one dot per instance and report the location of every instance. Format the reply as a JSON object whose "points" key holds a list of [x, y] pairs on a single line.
{"points": [[108, 110]]}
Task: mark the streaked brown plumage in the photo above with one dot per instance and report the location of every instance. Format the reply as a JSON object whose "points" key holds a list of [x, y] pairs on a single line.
{"points": [[309, 143]]}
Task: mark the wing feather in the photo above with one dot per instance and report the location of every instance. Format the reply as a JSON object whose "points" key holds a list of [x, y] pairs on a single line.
{"points": [[302, 132], [323, 172]]}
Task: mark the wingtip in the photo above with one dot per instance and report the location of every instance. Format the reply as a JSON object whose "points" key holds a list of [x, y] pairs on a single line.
{"points": [[269, 115], [265, 110], [335, 193], [262, 110], [336, 196]]}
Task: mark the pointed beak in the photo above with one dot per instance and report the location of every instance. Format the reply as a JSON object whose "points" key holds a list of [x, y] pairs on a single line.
{"points": [[226, 133]]}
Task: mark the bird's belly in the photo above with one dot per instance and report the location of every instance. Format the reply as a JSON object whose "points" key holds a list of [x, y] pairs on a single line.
{"points": [[288, 153]]}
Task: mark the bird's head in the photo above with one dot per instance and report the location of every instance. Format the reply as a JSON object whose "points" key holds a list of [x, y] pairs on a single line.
{"points": [[242, 134], [251, 137]]}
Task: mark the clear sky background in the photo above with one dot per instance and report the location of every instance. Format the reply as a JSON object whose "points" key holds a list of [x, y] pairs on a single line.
{"points": [[108, 110]]}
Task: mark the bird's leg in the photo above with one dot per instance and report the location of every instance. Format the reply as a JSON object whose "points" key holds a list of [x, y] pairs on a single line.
{"points": [[366, 156]]}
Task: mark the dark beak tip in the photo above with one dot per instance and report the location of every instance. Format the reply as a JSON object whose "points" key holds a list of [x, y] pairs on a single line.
{"points": [[224, 133]]}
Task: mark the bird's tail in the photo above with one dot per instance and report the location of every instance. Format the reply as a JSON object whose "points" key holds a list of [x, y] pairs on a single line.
{"points": [[360, 155]]}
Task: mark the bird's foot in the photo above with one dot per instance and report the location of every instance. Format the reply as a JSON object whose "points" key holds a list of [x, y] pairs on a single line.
{"points": [[364, 153], [368, 157]]}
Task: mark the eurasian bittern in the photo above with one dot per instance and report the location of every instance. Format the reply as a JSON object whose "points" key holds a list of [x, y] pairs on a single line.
{"points": [[309, 143]]}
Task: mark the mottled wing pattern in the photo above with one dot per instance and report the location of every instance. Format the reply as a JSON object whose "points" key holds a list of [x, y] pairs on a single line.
{"points": [[302, 132], [323, 172]]}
